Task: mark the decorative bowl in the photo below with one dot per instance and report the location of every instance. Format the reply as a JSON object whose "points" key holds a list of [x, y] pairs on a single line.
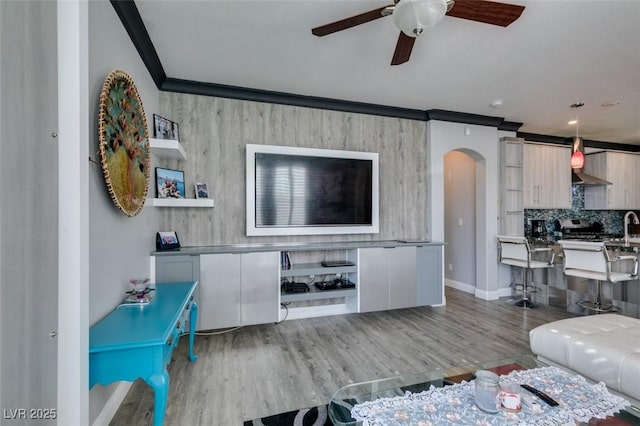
{"points": [[139, 284]]}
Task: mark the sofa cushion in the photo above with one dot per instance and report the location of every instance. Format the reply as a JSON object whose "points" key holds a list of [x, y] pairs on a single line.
{"points": [[604, 348]]}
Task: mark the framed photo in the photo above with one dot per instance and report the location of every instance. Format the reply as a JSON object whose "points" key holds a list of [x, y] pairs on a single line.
{"points": [[201, 190], [164, 128], [169, 183], [167, 240]]}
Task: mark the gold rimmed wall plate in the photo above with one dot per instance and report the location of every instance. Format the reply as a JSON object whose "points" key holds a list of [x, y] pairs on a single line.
{"points": [[124, 142]]}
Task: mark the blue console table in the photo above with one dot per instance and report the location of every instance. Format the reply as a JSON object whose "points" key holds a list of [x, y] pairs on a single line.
{"points": [[136, 341]]}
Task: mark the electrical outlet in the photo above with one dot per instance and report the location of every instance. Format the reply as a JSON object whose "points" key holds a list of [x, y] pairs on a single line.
{"points": [[450, 267]]}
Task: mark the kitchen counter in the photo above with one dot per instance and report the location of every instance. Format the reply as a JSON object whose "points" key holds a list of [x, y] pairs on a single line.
{"points": [[612, 245], [565, 292]]}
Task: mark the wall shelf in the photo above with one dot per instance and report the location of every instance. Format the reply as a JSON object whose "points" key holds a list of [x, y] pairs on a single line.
{"points": [[182, 202], [168, 149], [315, 294], [304, 269]]}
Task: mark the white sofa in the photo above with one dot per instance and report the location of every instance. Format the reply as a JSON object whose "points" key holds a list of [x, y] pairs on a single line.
{"points": [[603, 348]]}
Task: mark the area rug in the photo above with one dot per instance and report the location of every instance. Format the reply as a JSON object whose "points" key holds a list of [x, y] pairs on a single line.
{"points": [[314, 416]]}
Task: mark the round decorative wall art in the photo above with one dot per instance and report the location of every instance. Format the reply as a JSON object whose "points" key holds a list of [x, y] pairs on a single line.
{"points": [[124, 143]]}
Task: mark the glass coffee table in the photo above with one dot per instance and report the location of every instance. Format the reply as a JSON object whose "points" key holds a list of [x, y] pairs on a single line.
{"points": [[346, 397]]}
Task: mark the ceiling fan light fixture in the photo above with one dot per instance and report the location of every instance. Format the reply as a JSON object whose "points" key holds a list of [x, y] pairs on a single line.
{"points": [[412, 17]]}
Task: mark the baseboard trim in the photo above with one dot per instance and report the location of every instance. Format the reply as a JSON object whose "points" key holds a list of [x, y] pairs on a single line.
{"points": [[467, 288], [480, 294], [505, 292], [113, 403], [487, 295]]}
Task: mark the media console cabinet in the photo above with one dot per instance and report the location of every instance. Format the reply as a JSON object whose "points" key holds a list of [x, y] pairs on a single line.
{"points": [[240, 284]]}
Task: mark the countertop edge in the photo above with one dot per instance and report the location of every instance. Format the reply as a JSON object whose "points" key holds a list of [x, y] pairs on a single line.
{"points": [[296, 246]]}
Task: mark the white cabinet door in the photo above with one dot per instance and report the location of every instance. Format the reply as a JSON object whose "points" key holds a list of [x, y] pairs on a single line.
{"points": [[387, 278], [402, 277], [260, 288], [238, 289], [219, 285], [430, 275], [373, 280], [547, 177]]}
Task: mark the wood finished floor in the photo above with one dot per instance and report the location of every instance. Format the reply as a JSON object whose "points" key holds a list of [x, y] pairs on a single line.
{"points": [[262, 370]]}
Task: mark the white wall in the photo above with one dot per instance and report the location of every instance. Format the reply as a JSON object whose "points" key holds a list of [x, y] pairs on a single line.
{"points": [[119, 245], [481, 143]]}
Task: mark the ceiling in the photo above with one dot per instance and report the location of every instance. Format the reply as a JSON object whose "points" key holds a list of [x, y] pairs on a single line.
{"points": [[557, 53]]}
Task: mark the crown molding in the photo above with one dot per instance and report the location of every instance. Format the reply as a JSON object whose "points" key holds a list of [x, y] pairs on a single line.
{"points": [[558, 140], [258, 95], [130, 17]]}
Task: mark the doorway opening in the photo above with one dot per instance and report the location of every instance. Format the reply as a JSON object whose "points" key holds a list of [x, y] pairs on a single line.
{"points": [[464, 215]]}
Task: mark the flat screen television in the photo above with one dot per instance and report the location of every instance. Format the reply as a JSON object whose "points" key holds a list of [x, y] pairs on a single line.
{"points": [[307, 191]]}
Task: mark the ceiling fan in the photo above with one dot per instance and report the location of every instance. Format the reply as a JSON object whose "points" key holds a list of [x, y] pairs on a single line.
{"points": [[412, 17]]}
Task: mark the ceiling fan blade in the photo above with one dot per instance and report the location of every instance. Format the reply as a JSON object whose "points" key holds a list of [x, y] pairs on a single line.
{"points": [[489, 12], [343, 24], [403, 49]]}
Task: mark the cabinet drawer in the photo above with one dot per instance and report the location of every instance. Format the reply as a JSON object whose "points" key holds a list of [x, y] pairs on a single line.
{"points": [[170, 345], [179, 328]]}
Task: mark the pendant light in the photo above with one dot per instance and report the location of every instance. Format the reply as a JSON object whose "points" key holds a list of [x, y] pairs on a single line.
{"points": [[577, 157]]}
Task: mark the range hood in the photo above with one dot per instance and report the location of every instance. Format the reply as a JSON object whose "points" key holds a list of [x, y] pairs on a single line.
{"points": [[578, 176]]}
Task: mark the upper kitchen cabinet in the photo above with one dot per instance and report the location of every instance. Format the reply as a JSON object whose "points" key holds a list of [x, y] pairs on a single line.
{"points": [[621, 169], [547, 176]]}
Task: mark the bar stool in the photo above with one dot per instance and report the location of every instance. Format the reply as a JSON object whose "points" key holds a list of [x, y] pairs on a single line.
{"points": [[515, 251], [591, 260]]}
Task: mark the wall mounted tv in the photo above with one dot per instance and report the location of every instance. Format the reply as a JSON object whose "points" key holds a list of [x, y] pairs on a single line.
{"points": [[308, 191]]}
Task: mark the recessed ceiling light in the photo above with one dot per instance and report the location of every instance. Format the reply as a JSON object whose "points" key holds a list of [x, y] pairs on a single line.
{"points": [[496, 104], [611, 103]]}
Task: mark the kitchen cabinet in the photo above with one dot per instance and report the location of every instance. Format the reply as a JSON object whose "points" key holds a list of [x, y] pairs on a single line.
{"points": [[546, 176], [388, 278], [621, 169], [511, 187], [238, 289]]}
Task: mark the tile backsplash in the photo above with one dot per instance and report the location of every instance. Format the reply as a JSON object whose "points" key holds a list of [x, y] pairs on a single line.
{"points": [[610, 219]]}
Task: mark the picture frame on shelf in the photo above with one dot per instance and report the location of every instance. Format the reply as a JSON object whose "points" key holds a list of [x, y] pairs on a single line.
{"points": [[170, 183], [164, 128], [202, 191], [167, 240]]}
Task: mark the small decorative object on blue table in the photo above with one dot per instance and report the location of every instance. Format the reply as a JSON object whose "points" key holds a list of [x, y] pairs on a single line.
{"points": [[140, 293]]}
